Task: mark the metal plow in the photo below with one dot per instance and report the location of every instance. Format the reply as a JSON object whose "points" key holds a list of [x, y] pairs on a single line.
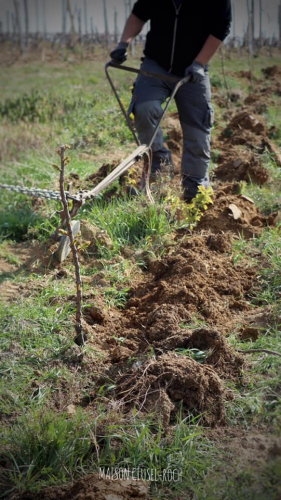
{"points": [[142, 152]]}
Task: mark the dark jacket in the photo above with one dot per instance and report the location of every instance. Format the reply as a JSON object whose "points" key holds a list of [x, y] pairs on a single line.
{"points": [[177, 34]]}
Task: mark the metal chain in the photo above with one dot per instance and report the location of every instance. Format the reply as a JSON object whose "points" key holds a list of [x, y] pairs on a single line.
{"points": [[82, 196], [36, 192]]}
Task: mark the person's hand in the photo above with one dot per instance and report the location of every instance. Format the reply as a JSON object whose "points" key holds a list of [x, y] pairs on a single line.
{"points": [[119, 54], [195, 72]]}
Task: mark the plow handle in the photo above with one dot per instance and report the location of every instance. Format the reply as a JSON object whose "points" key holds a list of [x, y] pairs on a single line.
{"points": [[179, 82]]}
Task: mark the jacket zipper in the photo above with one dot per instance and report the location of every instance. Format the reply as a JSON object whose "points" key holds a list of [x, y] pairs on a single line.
{"points": [[177, 9]]}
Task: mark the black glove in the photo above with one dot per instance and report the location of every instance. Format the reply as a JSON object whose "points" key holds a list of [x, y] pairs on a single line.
{"points": [[119, 54], [196, 72]]}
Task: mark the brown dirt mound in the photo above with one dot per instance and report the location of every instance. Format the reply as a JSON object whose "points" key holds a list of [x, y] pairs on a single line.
{"points": [[243, 137], [187, 300], [172, 128], [220, 355], [263, 94], [271, 71], [92, 488], [258, 143], [102, 172], [159, 384], [106, 169], [244, 128], [247, 121], [259, 101], [220, 216], [243, 168], [192, 282], [195, 285], [245, 74], [236, 95]]}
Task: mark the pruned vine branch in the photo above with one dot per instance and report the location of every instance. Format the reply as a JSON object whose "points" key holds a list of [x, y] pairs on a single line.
{"points": [[80, 336]]}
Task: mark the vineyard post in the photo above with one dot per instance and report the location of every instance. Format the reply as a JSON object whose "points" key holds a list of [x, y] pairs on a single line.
{"points": [[80, 30], [279, 22], [85, 18], [106, 32], [63, 6], [26, 20], [92, 34], [250, 4], [224, 76], [253, 24], [37, 16], [116, 31], [72, 25], [97, 34], [233, 24], [8, 23], [126, 12], [133, 41], [18, 25], [260, 34], [13, 35], [44, 20]]}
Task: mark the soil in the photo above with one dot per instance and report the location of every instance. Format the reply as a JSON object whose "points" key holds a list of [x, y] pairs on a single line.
{"points": [[272, 71], [219, 217], [190, 298], [244, 449], [162, 383], [92, 488], [195, 280], [247, 127], [243, 167]]}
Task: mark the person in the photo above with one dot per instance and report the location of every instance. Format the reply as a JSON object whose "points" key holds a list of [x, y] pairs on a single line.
{"points": [[182, 39]]}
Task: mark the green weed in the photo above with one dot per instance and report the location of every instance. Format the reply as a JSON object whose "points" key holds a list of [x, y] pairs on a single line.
{"points": [[19, 221], [45, 447], [16, 219], [41, 107], [194, 323], [274, 122], [269, 289], [116, 297], [144, 445], [35, 323], [5, 253], [194, 353], [259, 401], [128, 222], [266, 197], [216, 81], [32, 341], [237, 484]]}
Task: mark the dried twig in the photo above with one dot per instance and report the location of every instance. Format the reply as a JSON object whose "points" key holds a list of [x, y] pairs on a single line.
{"points": [[80, 336]]}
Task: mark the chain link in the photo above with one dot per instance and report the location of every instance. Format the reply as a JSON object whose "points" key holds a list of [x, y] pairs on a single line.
{"points": [[82, 195], [37, 193]]}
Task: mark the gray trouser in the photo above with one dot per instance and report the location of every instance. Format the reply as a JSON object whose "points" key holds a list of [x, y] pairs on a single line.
{"points": [[193, 102]]}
